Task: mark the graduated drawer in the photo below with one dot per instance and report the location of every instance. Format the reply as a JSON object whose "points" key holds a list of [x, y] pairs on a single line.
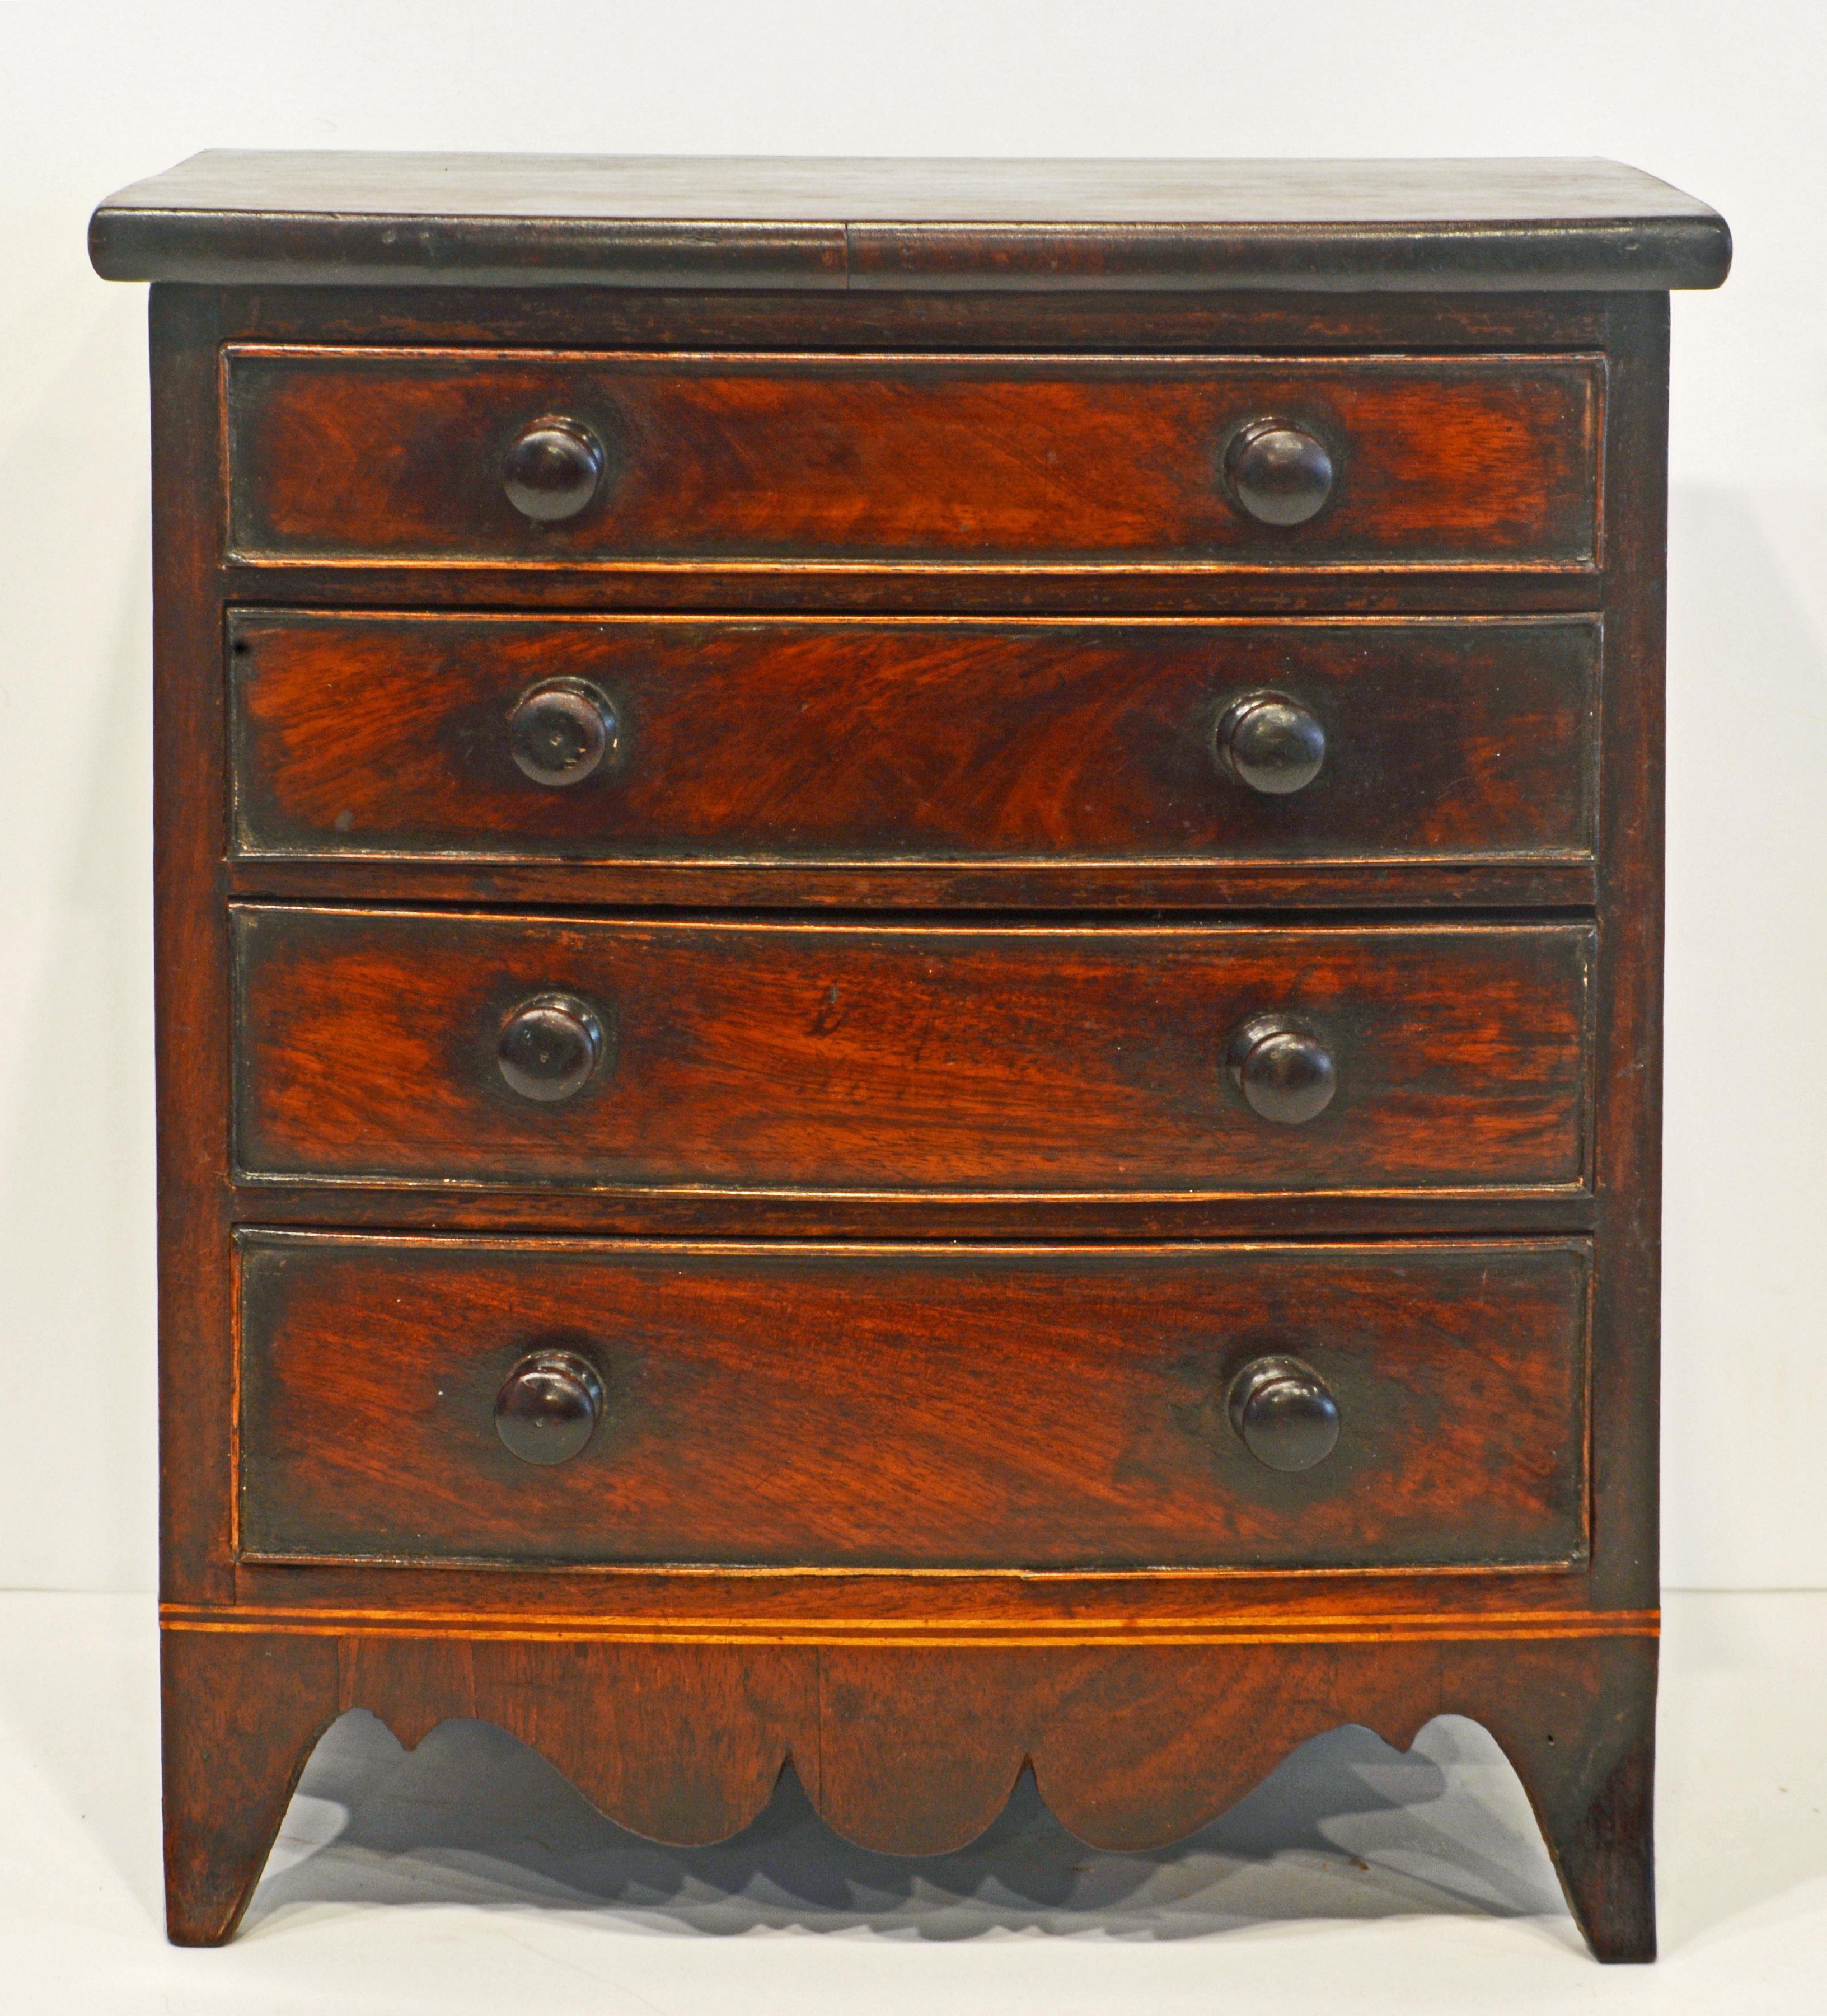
{"points": [[958, 461], [889, 741], [910, 1406], [888, 1057]]}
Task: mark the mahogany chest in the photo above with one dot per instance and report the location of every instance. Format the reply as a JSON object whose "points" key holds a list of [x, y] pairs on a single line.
{"points": [[908, 925]]}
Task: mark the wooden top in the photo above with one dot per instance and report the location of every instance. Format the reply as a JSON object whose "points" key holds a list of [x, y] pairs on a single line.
{"points": [[633, 221]]}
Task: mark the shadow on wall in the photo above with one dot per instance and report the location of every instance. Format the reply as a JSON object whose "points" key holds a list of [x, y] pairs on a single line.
{"points": [[76, 1502], [77, 1232], [1745, 1137], [1346, 1828]]}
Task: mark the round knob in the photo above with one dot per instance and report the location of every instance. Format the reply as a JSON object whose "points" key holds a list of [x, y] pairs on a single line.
{"points": [[561, 731], [549, 1046], [1279, 474], [548, 1407], [1271, 743], [1285, 1073], [1283, 1413], [552, 468]]}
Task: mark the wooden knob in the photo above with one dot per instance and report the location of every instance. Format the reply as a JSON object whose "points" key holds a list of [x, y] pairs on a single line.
{"points": [[553, 469], [561, 732], [1284, 1072], [1283, 1413], [549, 1406], [550, 1046], [1270, 743], [1277, 473]]}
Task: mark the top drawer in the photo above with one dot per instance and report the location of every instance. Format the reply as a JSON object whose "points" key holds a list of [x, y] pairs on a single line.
{"points": [[971, 462]]}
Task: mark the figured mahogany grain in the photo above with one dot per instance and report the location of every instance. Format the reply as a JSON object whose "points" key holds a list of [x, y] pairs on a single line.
{"points": [[912, 1406], [901, 741], [908, 1056], [966, 461]]}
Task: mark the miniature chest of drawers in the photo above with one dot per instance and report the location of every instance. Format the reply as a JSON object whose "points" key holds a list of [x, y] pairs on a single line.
{"points": [[909, 940]]}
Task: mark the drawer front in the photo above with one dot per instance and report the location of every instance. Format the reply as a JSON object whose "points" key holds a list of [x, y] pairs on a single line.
{"points": [[753, 1057], [895, 740], [913, 1407], [966, 462]]}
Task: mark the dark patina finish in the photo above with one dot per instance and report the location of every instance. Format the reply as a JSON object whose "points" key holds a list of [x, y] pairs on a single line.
{"points": [[910, 927]]}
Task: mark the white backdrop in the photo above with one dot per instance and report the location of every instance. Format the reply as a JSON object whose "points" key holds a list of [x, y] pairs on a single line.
{"points": [[1725, 102]]}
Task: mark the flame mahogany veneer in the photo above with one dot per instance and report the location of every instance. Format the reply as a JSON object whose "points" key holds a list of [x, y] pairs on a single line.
{"points": [[910, 923]]}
